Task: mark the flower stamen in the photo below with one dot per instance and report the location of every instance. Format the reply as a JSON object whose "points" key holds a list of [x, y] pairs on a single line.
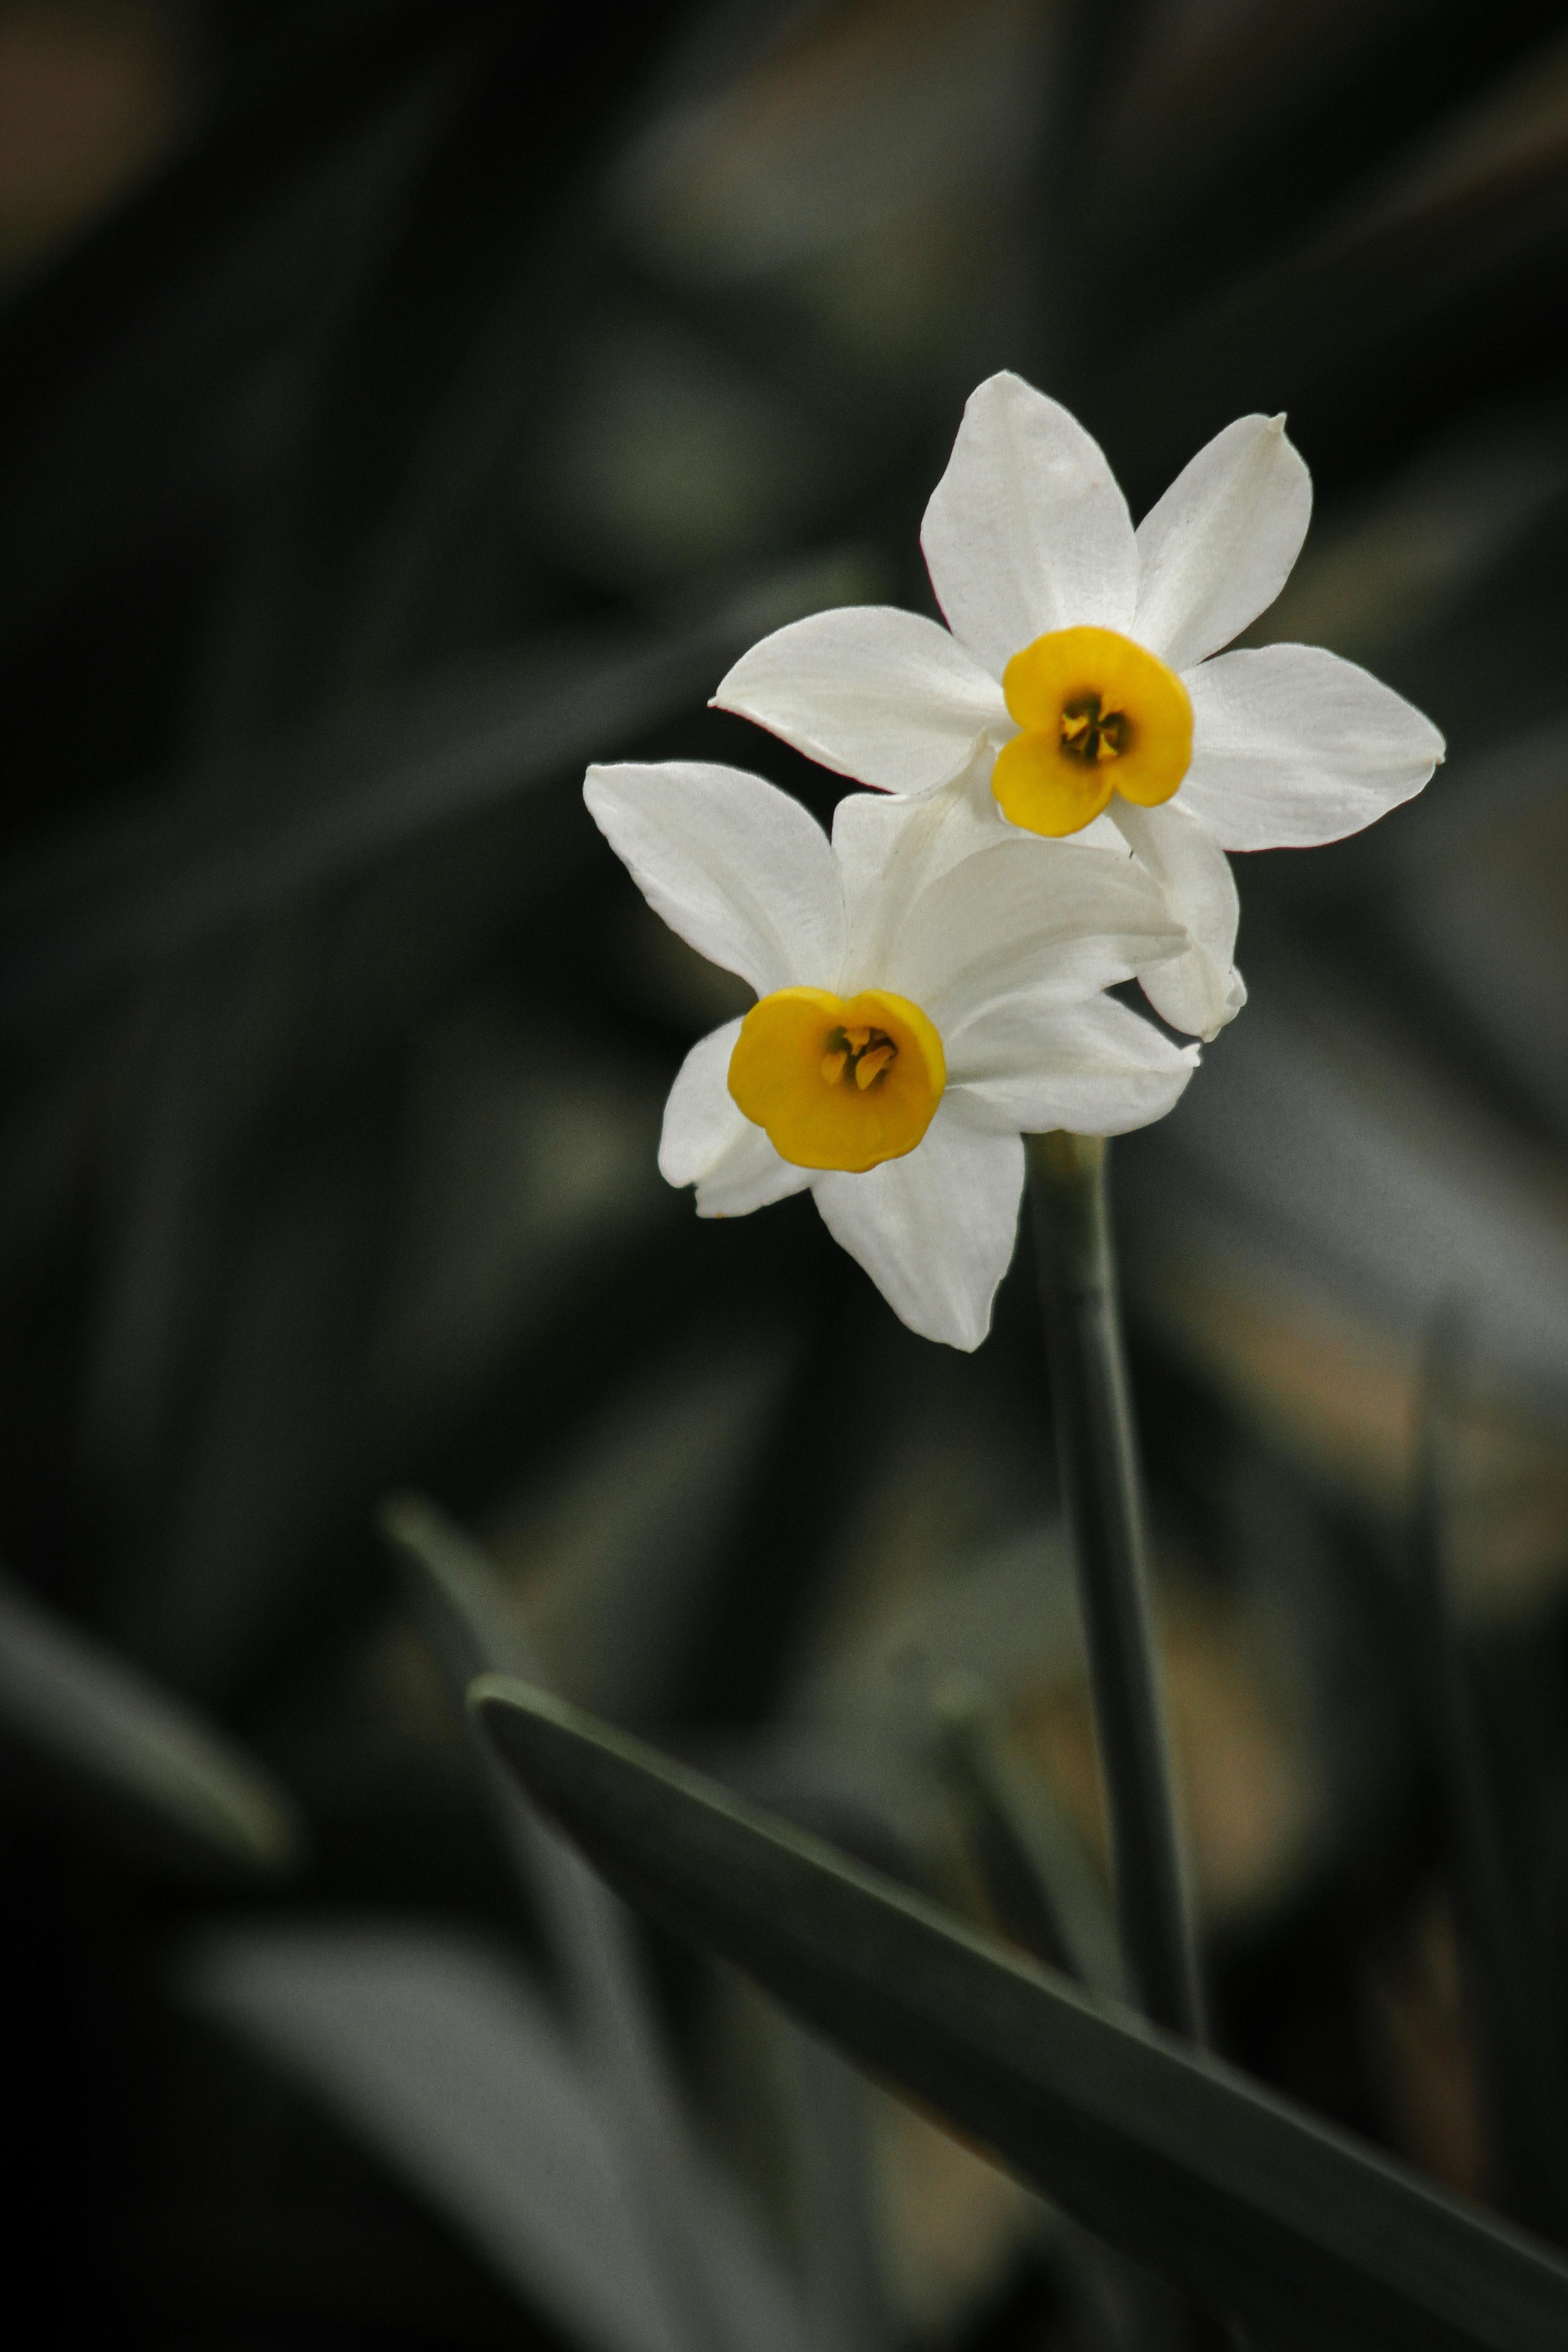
{"points": [[1091, 733], [861, 1054]]}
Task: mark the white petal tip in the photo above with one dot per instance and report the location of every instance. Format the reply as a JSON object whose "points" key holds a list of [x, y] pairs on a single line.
{"points": [[1235, 997], [948, 1335]]}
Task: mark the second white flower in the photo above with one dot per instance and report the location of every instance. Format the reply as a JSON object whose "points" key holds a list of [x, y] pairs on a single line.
{"points": [[903, 1037]]}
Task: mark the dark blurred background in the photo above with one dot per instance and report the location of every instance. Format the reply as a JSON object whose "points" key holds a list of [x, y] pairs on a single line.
{"points": [[402, 404]]}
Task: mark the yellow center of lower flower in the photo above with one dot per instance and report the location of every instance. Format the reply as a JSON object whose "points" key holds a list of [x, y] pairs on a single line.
{"points": [[838, 1081], [1099, 716]]}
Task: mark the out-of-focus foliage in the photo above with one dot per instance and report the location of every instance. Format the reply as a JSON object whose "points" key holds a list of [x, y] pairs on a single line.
{"points": [[401, 403], [1167, 2155]]}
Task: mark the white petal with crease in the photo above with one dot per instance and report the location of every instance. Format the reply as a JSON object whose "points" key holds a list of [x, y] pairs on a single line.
{"points": [[1201, 991], [709, 1142], [750, 1175], [1292, 746], [1216, 550], [1027, 914], [1195, 993], [1027, 529], [1095, 1067], [889, 848], [935, 1230], [701, 1119], [741, 870], [883, 696]]}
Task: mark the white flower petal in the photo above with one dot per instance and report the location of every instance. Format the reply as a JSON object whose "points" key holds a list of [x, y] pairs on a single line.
{"points": [[1027, 914], [709, 1142], [1098, 834], [750, 1175], [1218, 547], [883, 696], [1291, 746], [741, 870], [701, 1119], [1027, 531], [1094, 1067], [1195, 993], [1201, 991], [889, 848], [935, 1230]]}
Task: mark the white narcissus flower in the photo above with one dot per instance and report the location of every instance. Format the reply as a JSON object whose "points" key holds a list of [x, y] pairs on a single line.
{"points": [[902, 1038], [1080, 678]]}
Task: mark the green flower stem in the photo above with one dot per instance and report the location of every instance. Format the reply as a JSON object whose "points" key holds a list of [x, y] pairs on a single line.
{"points": [[1101, 1496]]}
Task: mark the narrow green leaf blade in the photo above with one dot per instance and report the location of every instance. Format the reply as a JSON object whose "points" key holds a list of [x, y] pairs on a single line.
{"points": [[1249, 2204], [439, 2055], [82, 1730], [721, 2288], [1040, 1880]]}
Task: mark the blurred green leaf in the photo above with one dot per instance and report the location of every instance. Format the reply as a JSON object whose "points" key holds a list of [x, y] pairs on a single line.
{"points": [[124, 369], [440, 2057], [477, 1631], [1179, 2160], [477, 1628], [1332, 1133], [1510, 2020], [218, 850], [1044, 1888], [1371, 295], [713, 2277], [829, 2137], [82, 1729]]}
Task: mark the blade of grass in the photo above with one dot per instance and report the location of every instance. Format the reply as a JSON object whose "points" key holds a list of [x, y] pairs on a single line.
{"points": [[1049, 1898], [461, 1598], [1183, 2162], [1041, 1884], [447, 2061], [720, 2291], [831, 2156], [81, 1730]]}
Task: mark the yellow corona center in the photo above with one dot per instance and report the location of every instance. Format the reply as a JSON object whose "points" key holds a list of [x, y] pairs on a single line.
{"points": [[838, 1081], [1099, 716]]}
